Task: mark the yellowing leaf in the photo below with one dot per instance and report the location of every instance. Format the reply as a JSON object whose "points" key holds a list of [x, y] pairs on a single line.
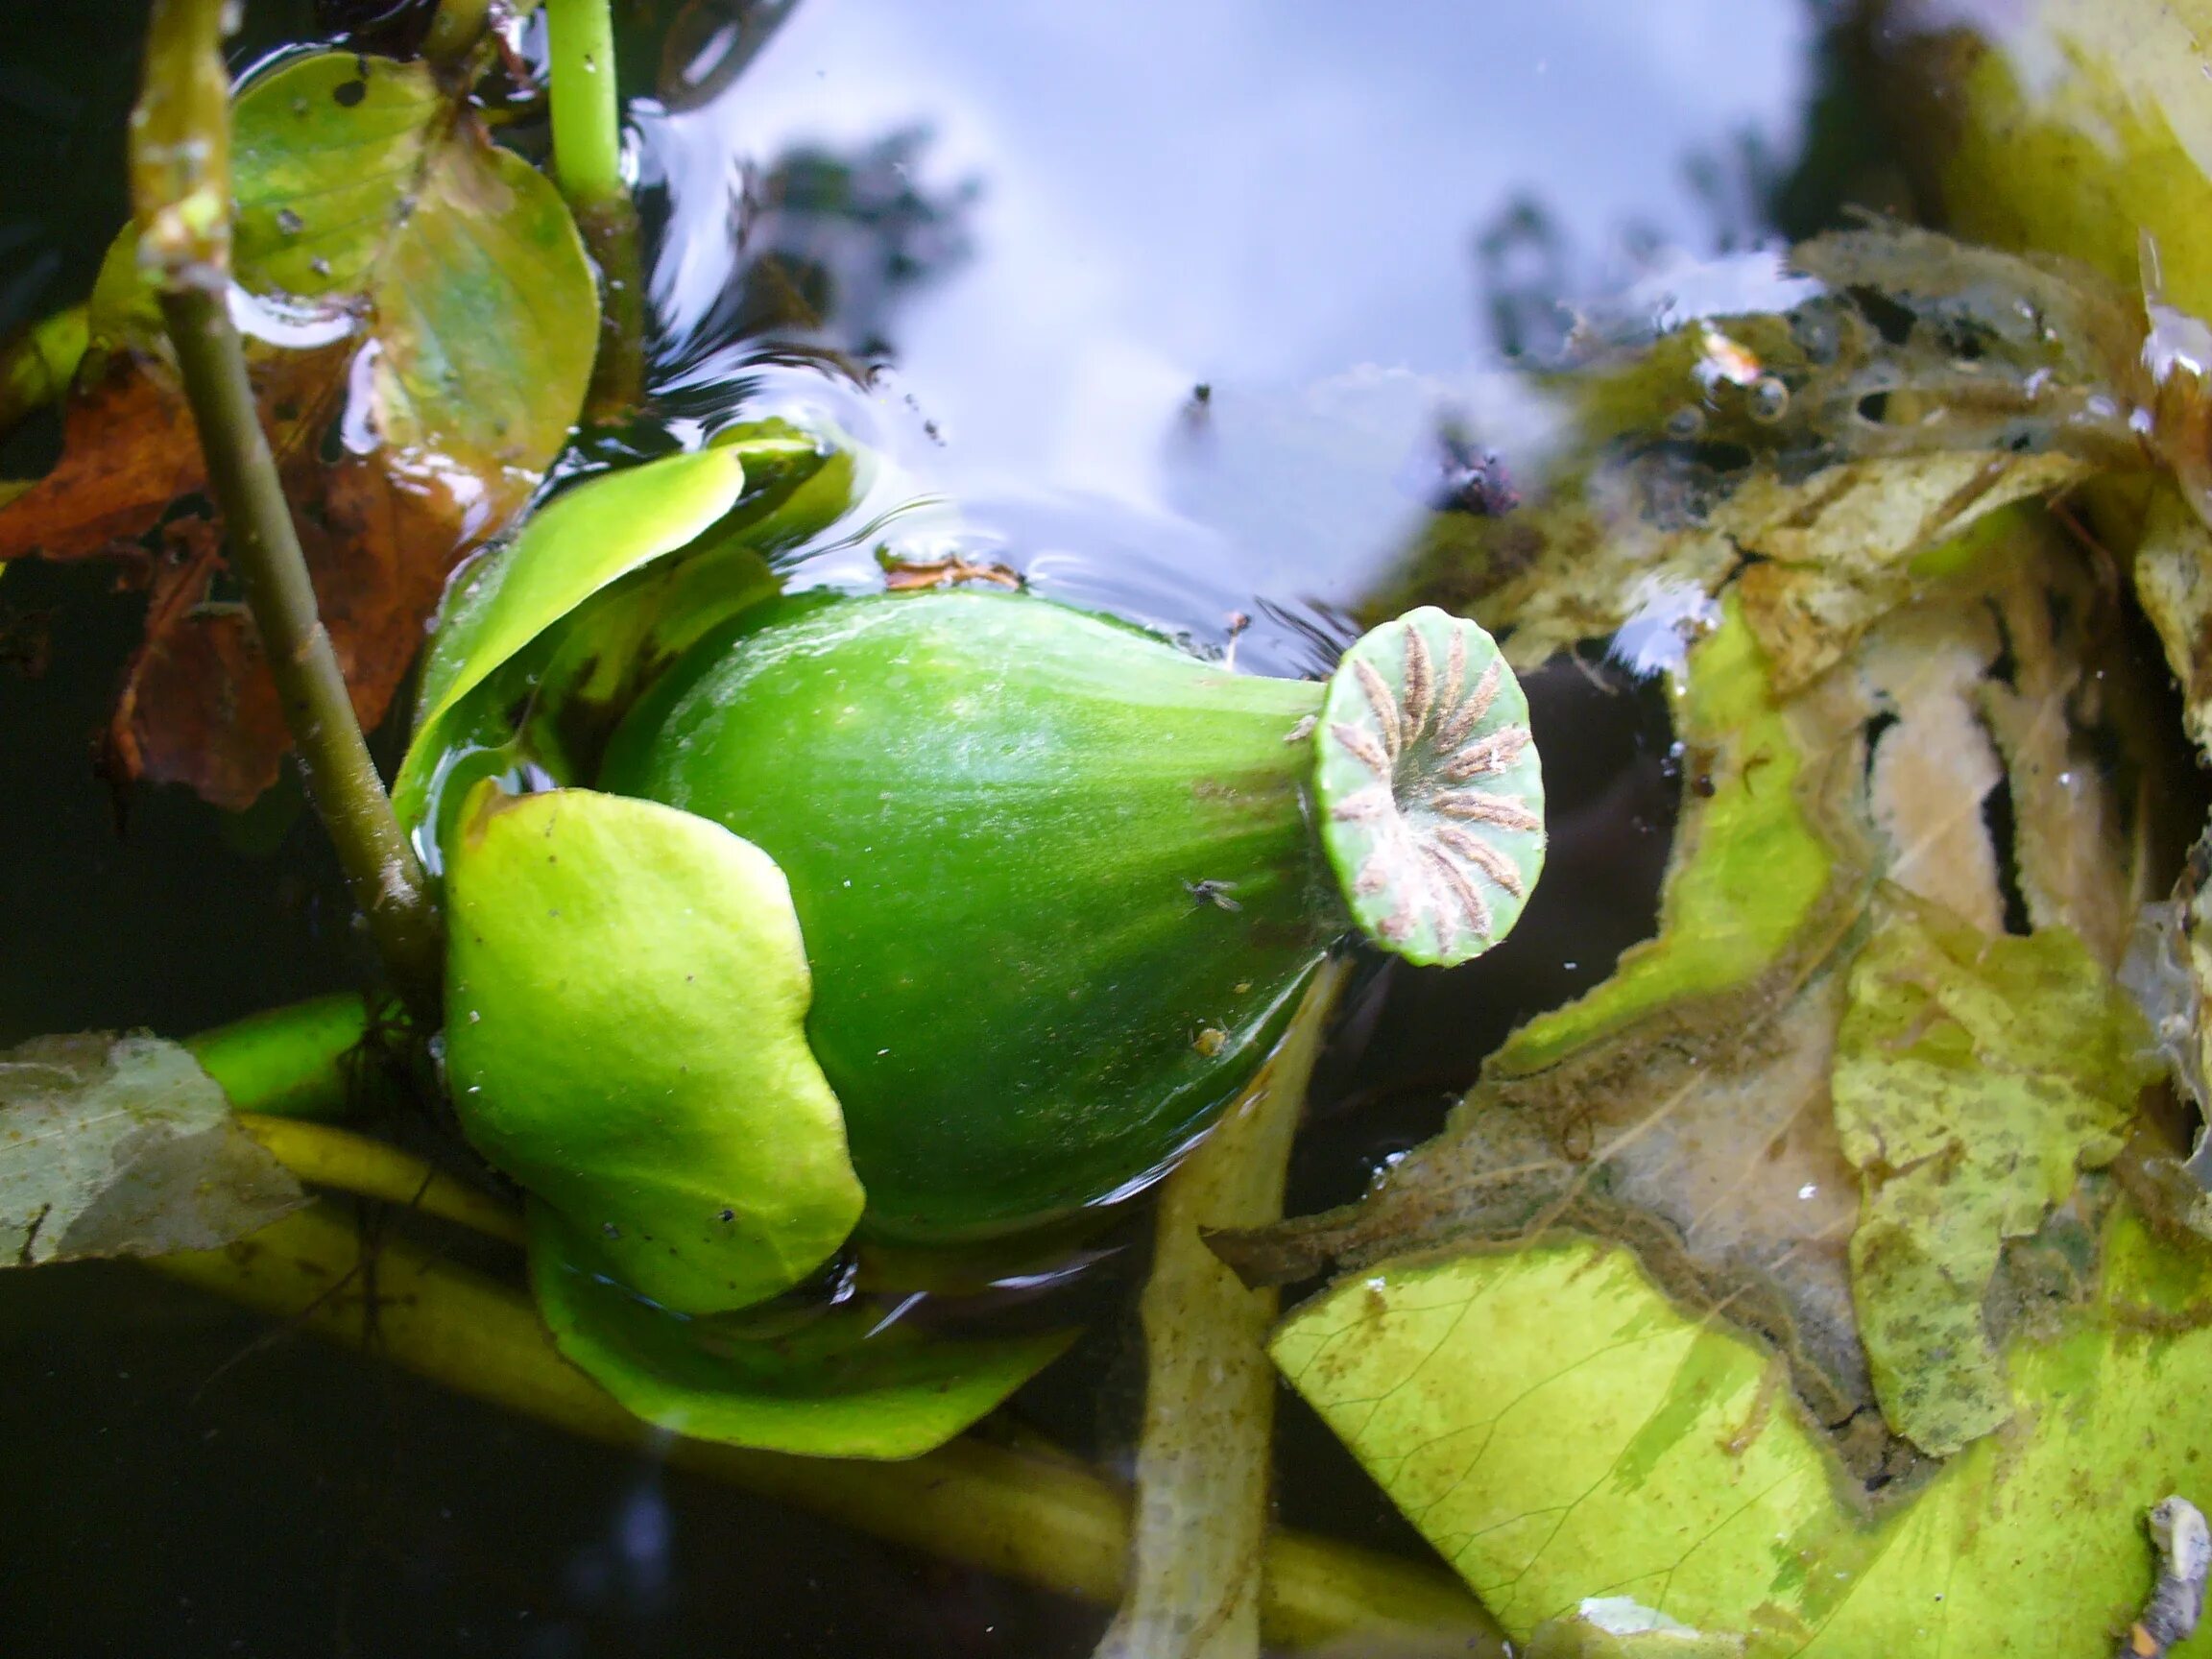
{"points": [[1973, 1076], [1561, 1431], [1750, 866]]}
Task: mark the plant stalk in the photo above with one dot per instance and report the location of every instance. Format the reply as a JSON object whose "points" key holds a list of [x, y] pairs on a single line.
{"points": [[181, 201], [587, 166], [1206, 1452], [381, 869]]}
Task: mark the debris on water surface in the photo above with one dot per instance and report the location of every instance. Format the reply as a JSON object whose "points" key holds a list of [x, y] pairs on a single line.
{"points": [[910, 575], [2184, 1546]]}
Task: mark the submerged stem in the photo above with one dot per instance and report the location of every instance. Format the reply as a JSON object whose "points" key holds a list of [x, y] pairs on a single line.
{"points": [[1039, 1517], [181, 189], [325, 1156], [299, 1061], [1203, 1459]]}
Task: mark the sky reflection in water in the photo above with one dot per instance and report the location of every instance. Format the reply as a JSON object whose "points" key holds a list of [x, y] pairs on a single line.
{"points": [[1281, 202]]}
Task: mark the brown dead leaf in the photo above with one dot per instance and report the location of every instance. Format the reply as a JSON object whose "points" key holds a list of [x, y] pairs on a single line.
{"points": [[455, 318], [380, 532]]}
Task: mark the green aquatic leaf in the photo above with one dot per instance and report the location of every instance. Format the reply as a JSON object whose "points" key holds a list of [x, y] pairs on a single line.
{"points": [[358, 177], [848, 1381], [1562, 1431], [124, 1146], [579, 543], [1973, 1077], [626, 1003], [606, 586]]}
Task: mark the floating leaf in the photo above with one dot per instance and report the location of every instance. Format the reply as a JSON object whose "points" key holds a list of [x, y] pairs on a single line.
{"points": [[1683, 1107], [1973, 1076], [124, 1146], [602, 589], [627, 996], [1926, 384], [1692, 1084], [1750, 863], [1561, 1431], [417, 301], [848, 1381]]}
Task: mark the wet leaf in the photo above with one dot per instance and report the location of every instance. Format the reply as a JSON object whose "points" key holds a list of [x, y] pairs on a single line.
{"points": [[1924, 385], [2076, 126], [1684, 1106], [1561, 1431], [1973, 1077], [420, 311], [603, 587], [1684, 1100], [2173, 582], [124, 1146], [1750, 864], [846, 1382], [627, 995]]}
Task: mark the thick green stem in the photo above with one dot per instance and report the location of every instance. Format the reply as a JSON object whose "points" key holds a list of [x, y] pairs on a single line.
{"points": [[291, 1062], [455, 30], [586, 115], [1036, 1517], [381, 869], [588, 165]]}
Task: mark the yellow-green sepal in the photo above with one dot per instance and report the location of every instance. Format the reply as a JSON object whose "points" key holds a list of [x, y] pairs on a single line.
{"points": [[626, 1001], [846, 1381]]}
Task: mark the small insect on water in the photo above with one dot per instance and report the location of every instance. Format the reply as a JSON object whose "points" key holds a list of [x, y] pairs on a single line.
{"points": [[1215, 893]]}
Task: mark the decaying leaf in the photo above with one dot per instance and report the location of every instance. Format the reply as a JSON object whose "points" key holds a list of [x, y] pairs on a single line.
{"points": [[1927, 384], [1973, 1077], [124, 1146], [1684, 1100], [2174, 580], [420, 322], [1686, 1107], [1561, 1430]]}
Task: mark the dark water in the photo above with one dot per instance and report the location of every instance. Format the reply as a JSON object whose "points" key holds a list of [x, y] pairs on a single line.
{"points": [[1007, 244]]}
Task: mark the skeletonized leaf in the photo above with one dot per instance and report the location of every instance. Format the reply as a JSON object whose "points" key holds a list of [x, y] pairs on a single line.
{"points": [[124, 1146], [1561, 1429], [1973, 1076]]}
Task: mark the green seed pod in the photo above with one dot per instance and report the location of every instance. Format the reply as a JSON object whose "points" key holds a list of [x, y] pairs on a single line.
{"points": [[1054, 878], [939, 916]]}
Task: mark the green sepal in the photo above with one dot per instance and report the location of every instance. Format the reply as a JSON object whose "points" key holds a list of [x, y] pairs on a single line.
{"points": [[626, 1002], [835, 1382]]}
